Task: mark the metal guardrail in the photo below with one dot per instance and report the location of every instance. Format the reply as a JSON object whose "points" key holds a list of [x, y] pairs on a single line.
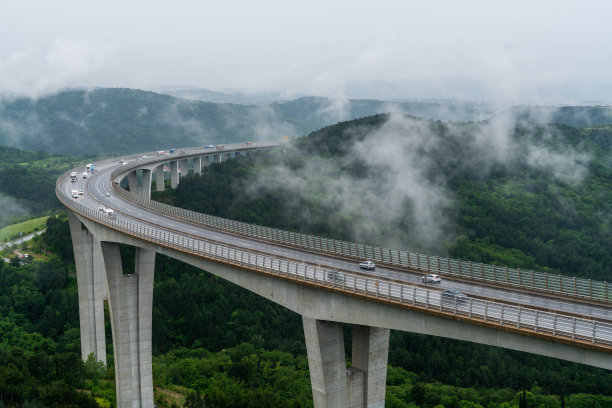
{"points": [[512, 277], [588, 332]]}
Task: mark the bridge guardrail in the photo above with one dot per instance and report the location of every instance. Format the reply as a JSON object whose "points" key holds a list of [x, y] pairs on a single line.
{"points": [[590, 333], [526, 279]]}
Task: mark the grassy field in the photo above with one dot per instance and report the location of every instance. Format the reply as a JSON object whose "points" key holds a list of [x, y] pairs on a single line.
{"points": [[11, 232]]}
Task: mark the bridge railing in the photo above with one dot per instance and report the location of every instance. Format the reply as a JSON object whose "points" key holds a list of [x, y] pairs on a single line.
{"points": [[592, 333], [423, 263]]}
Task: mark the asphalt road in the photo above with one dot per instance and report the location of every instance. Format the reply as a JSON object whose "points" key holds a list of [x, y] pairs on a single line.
{"points": [[98, 191]]}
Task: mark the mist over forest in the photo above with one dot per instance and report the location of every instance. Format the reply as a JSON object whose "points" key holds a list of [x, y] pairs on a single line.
{"points": [[526, 187]]}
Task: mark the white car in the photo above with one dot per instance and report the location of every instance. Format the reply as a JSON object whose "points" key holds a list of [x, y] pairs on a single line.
{"points": [[369, 265], [431, 278]]}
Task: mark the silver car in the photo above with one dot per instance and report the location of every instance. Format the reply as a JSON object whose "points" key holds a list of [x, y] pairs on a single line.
{"points": [[369, 265], [432, 278]]}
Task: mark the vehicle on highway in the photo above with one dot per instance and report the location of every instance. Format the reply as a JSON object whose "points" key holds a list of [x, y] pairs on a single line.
{"points": [[209, 147], [73, 176], [453, 295], [369, 265], [161, 153], [81, 192], [75, 193], [248, 143], [219, 147], [431, 278], [334, 275], [109, 212], [101, 207], [121, 161], [84, 174]]}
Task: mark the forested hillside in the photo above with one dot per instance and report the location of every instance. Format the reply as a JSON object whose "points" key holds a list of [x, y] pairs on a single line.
{"points": [[534, 197], [522, 194], [117, 121], [27, 182]]}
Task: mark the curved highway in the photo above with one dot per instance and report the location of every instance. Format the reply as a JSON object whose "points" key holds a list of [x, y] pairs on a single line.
{"points": [[98, 190]]}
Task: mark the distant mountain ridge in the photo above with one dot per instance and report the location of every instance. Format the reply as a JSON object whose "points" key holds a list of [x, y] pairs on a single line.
{"points": [[116, 120]]}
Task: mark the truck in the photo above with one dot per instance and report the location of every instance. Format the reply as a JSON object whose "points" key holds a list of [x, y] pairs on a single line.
{"points": [[89, 167], [84, 174], [219, 147], [75, 193], [73, 176]]}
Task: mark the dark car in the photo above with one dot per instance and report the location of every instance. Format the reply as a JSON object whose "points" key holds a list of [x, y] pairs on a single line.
{"points": [[334, 276], [453, 295]]}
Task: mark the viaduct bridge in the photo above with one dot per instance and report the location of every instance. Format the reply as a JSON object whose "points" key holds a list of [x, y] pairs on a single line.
{"points": [[557, 316]]}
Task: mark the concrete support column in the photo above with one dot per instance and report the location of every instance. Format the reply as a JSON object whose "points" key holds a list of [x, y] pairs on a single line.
{"points": [[217, 158], [197, 165], [205, 161], [326, 362], [133, 182], [174, 176], [159, 178], [184, 167], [145, 189], [368, 379], [130, 305], [91, 289]]}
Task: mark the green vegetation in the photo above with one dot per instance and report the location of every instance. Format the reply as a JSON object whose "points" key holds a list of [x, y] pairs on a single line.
{"points": [[259, 359], [27, 182], [217, 345], [119, 121], [23, 228], [513, 213]]}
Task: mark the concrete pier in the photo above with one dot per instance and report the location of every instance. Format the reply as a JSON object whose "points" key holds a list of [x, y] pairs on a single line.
{"points": [[133, 182], [326, 362], [130, 305], [91, 289], [184, 167], [174, 175], [159, 178], [368, 379], [197, 165]]}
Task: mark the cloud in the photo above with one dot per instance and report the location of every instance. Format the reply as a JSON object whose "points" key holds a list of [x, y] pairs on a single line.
{"points": [[35, 72], [391, 186]]}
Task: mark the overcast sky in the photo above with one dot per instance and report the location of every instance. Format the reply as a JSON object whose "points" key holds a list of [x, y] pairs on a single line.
{"points": [[522, 51]]}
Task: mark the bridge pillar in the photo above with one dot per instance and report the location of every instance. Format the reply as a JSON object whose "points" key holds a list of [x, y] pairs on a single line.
{"points": [[159, 178], [91, 289], [145, 188], [205, 161], [197, 165], [130, 306], [174, 176], [133, 182], [184, 167], [368, 379], [217, 158], [326, 362]]}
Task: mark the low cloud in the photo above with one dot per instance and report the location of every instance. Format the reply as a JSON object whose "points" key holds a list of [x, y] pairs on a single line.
{"points": [[34, 72], [407, 164]]}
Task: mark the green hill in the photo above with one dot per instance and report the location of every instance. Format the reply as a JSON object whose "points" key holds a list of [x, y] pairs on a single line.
{"points": [[534, 197]]}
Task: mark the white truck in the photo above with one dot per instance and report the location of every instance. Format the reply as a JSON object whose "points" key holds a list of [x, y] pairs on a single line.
{"points": [[84, 174], [75, 193], [73, 176]]}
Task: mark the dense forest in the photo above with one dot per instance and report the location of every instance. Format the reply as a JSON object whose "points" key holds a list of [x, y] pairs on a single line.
{"points": [[241, 350], [27, 182], [542, 203], [528, 195], [119, 121]]}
